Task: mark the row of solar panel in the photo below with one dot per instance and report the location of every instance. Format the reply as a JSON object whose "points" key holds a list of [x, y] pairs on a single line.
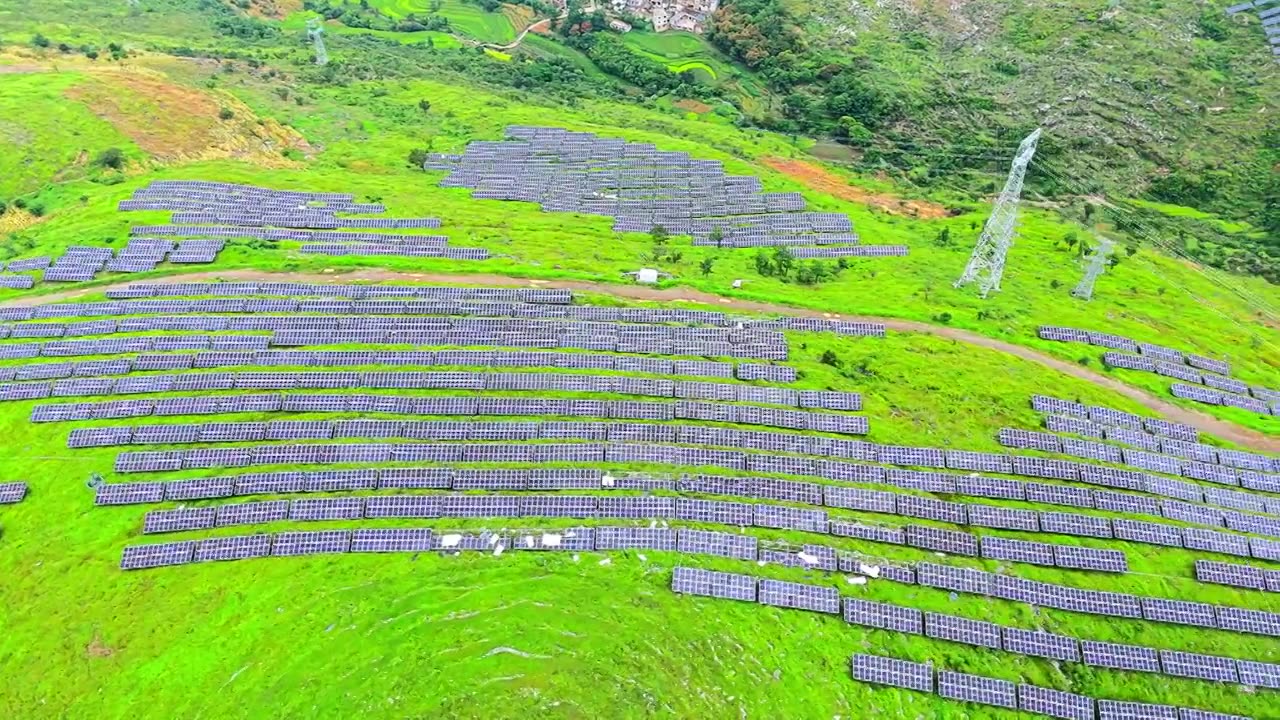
{"points": [[518, 327], [578, 506], [637, 344], [993, 692], [895, 618], [402, 358], [934, 482], [1212, 386], [448, 253], [1241, 576], [1098, 602], [1116, 342], [951, 541], [551, 296], [1110, 418], [1189, 460], [1271, 406], [650, 387], [425, 313]]}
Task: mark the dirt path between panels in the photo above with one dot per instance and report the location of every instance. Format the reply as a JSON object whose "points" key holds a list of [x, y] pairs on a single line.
{"points": [[1202, 421]]}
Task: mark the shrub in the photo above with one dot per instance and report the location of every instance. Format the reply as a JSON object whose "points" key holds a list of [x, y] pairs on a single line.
{"points": [[226, 113], [110, 158], [417, 157], [40, 41], [829, 358]]}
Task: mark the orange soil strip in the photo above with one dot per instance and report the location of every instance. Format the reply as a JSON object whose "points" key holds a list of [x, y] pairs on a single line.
{"points": [[818, 178]]}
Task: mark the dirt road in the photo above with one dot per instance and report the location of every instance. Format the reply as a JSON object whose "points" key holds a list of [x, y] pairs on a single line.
{"points": [[1202, 421]]}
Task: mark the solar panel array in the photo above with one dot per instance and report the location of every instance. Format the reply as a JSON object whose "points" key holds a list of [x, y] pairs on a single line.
{"points": [[215, 211], [642, 187], [994, 692], [1210, 377]]}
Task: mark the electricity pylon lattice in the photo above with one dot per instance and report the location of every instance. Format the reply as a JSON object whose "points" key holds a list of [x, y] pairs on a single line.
{"points": [[315, 31], [1097, 263], [986, 265]]}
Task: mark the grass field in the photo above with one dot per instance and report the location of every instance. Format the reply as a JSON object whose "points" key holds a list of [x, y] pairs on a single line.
{"points": [[465, 18], [424, 634], [559, 635]]}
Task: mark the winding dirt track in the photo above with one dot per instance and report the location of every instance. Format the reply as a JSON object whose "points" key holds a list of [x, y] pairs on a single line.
{"points": [[1201, 421]]}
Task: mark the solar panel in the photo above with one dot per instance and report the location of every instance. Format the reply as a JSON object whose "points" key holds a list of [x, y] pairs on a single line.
{"points": [[893, 672], [1120, 657], [1257, 622], [965, 580], [233, 548], [1114, 710], [138, 557], [742, 547], [977, 689], [1230, 574], [799, 596], [1259, 674], [1041, 644], [1179, 611], [181, 519], [1203, 667], [1000, 548], [948, 541], [391, 540], [12, 492], [883, 616], [962, 630], [1080, 558], [1150, 533], [1054, 703], [310, 543], [695, 581], [252, 513]]}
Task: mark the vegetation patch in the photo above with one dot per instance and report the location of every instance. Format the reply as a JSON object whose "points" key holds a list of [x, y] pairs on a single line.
{"points": [[173, 122]]}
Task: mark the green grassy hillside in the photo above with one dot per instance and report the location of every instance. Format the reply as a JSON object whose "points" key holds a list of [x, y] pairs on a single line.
{"points": [[584, 635]]}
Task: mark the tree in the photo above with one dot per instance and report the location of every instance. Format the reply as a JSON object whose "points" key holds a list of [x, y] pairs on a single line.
{"points": [[659, 235], [705, 265], [943, 238], [764, 265], [1088, 211], [417, 157], [110, 158], [1113, 260], [829, 358], [1070, 239], [717, 234], [226, 113], [40, 41], [783, 261], [1130, 250], [424, 105], [3, 207]]}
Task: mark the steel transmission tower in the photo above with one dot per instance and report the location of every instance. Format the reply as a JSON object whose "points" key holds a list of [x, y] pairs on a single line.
{"points": [[1097, 263], [986, 265], [315, 31]]}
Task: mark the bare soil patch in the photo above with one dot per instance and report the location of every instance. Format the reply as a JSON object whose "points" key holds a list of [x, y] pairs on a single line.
{"points": [[818, 178]]}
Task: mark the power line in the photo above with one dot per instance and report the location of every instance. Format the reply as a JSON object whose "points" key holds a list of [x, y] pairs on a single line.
{"points": [[1211, 306], [1214, 275]]}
